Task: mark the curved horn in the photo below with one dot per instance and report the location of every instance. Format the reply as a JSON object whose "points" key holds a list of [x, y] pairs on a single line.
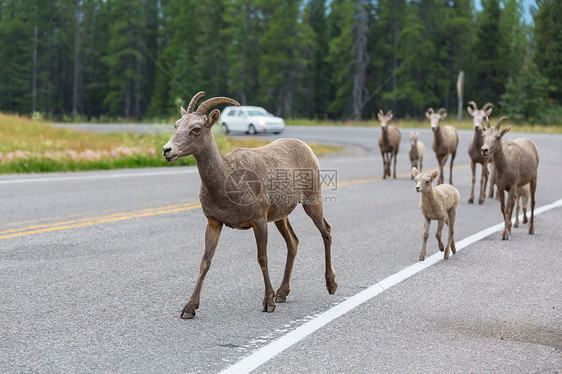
{"points": [[441, 110], [389, 113], [430, 111], [194, 101], [487, 105], [500, 121], [474, 106], [203, 108]]}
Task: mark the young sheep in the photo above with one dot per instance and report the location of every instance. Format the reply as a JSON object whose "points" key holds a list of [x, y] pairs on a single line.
{"points": [[515, 164], [239, 190], [522, 193], [389, 141], [445, 141], [416, 151], [437, 203]]}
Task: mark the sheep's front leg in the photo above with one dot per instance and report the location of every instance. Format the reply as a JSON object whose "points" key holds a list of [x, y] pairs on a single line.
{"points": [[438, 234], [260, 232], [212, 235], [394, 175], [426, 224], [473, 168], [284, 227], [483, 182]]}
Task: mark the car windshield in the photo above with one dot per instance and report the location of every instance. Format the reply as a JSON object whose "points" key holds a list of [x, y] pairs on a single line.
{"points": [[257, 112]]}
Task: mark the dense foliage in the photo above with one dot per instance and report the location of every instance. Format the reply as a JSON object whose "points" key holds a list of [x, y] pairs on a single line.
{"points": [[340, 59]]}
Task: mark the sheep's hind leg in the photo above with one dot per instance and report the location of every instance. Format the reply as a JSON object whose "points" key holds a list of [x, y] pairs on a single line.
{"points": [[451, 238], [315, 211], [440, 224], [212, 235], [260, 232], [284, 227], [532, 220]]}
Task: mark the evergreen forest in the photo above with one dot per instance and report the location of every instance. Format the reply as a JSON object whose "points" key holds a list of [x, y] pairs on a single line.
{"points": [[318, 59]]}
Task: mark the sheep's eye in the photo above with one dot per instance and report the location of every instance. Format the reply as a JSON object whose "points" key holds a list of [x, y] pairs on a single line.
{"points": [[426, 182], [196, 130]]}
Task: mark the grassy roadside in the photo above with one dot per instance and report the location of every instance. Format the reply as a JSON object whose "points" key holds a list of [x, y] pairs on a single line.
{"points": [[28, 146], [466, 124]]}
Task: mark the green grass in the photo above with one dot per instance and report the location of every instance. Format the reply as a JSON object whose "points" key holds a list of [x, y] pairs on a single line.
{"points": [[466, 124], [32, 146]]}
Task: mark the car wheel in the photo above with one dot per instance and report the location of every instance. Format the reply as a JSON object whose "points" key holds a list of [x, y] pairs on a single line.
{"points": [[252, 130], [225, 128]]}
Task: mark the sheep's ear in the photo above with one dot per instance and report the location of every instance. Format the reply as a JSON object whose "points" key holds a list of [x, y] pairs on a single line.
{"points": [[470, 110], [427, 115], [380, 115], [183, 111], [434, 175], [213, 118], [489, 111], [415, 172], [443, 116], [506, 130], [390, 116]]}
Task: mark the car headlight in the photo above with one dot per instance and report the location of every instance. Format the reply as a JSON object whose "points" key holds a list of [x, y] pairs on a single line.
{"points": [[262, 123]]}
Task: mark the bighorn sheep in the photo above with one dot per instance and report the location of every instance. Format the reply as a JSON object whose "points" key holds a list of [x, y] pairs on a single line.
{"points": [[445, 141], [437, 203], [522, 193], [515, 164], [478, 116], [389, 141], [240, 190], [416, 151]]}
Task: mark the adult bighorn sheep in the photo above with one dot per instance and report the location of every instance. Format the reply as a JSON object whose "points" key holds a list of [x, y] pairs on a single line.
{"points": [[445, 141], [389, 141], [474, 147], [515, 164], [240, 190]]}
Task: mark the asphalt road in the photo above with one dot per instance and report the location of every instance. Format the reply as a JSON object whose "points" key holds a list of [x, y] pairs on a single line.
{"points": [[96, 267]]}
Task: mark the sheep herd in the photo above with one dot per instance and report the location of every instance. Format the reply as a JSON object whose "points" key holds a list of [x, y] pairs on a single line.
{"points": [[234, 188], [514, 170]]}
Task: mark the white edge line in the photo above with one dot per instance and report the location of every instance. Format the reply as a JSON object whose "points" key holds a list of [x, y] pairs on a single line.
{"points": [[272, 349], [101, 176]]}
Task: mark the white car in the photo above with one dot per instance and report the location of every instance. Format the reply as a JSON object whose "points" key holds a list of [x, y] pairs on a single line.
{"points": [[251, 120]]}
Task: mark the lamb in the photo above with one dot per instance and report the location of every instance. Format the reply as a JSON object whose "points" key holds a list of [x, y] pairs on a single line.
{"points": [[389, 141], [478, 116], [445, 141], [522, 193], [240, 190], [416, 151], [515, 164], [439, 203]]}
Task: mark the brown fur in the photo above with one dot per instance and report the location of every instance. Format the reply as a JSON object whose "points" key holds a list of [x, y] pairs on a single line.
{"points": [[437, 203], [445, 141], [416, 151], [389, 142], [478, 116], [515, 164], [234, 192]]}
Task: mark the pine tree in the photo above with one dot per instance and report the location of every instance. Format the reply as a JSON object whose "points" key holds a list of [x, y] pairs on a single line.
{"points": [[548, 39], [490, 73]]}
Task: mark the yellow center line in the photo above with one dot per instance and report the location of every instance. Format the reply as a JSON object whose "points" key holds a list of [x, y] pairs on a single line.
{"points": [[115, 217]]}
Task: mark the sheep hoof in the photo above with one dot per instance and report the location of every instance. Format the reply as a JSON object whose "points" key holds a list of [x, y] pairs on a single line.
{"points": [[422, 258], [531, 232], [481, 201], [445, 257], [332, 287], [280, 299], [470, 201], [516, 225], [187, 314], [268, 308]]}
